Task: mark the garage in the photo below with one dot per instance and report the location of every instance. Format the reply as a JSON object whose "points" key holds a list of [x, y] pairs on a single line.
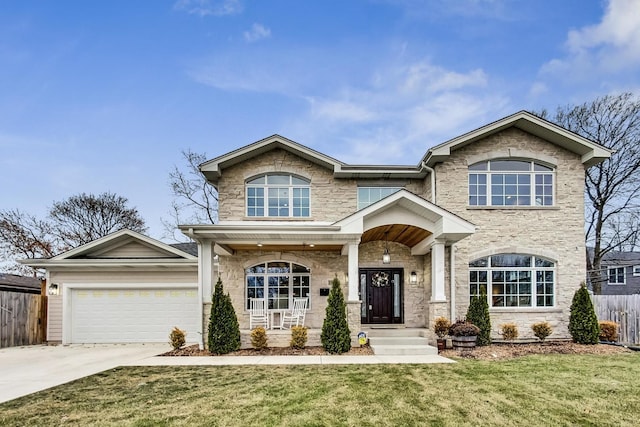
{"points": [[126, 314]]}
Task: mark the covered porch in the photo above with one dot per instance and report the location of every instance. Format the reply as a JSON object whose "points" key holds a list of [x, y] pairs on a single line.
{"points": [[301, 259]]}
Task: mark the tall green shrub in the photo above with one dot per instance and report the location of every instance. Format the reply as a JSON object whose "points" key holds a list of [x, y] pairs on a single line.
{"points": [[224, 331], [335, 335], [583, 322], [478, 314]]}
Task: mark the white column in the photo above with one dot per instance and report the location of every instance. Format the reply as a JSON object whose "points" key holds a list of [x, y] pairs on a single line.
{"points": [[354, 276], [437, 271], [205, 274]]}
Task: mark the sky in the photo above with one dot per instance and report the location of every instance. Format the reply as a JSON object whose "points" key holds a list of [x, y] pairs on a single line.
{"points": [[100, 96]]}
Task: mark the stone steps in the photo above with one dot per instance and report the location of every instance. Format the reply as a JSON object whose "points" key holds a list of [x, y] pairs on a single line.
{"points": [[400, 341]]}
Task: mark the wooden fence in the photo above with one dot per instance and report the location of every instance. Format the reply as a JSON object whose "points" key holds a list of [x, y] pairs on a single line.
{"points": [[622, 309], [22, 319]]}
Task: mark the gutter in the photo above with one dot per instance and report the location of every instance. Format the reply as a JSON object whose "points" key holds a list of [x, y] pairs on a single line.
{"points": [[432, 176]]}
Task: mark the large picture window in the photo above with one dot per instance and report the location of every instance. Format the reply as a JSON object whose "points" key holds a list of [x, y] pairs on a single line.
{"points": [[513, 280], [274, 195], [510, 183], [279, 281]]}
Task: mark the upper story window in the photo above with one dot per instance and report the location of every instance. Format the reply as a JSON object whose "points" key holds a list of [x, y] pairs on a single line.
{"points": [[616, 275], [273, 195], [510, 183], [369, 195], [513, 280]]}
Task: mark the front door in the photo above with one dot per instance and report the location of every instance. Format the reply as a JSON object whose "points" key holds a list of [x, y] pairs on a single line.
{"points": [[381, 295]]}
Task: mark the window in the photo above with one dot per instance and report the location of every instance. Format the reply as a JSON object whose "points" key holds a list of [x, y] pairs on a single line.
{"points": [[510, 183], [616, 275], [279, 281], [273, 195], [636, 270], [369, 195], [513, 280]]}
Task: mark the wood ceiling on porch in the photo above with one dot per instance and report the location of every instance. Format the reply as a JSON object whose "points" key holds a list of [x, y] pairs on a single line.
{"points": [[408, 235]]}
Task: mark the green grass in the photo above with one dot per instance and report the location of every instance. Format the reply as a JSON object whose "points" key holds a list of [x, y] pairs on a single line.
{"points": [[535, 390]]}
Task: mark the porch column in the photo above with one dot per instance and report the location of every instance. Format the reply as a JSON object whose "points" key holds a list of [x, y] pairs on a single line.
{"points": [[205, 281], [354, 276], [437, 271]]}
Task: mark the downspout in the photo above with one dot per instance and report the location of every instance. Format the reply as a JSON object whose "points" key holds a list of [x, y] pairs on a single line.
{"points": [[452, 279], [432, 176]]}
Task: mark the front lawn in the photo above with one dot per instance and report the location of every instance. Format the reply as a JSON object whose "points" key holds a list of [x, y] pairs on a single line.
{"points": [[533, 390]]}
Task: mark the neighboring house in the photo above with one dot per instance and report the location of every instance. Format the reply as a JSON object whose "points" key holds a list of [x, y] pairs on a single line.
{"points": [[20, 284], [621, 273], [499, 210]]}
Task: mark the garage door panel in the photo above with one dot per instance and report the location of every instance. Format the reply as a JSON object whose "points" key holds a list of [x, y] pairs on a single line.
{"points": [[132, 315]]}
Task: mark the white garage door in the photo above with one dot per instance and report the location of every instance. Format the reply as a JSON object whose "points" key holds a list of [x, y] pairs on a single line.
{"points": [[132, 315]]}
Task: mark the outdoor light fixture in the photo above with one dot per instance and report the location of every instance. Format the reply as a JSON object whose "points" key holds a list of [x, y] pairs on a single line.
{"points": [[413, 278], [259, 244], [386, 256], [53, 289]]}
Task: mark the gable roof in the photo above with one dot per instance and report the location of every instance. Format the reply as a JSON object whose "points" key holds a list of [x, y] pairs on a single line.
{"points": [[592, 153], [212, 169], [119, 248], [22, 284]]}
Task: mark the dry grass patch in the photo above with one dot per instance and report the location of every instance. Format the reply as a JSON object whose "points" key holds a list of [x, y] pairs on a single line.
{"points": [[547, 389]]}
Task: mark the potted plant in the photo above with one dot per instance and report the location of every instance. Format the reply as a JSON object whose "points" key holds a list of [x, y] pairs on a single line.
{"points": [[441, 327], [464, 334]]}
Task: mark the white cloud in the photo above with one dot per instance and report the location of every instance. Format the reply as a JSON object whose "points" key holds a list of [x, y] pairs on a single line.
{"points": [[611, 46], [257, 32], [209, 7]]}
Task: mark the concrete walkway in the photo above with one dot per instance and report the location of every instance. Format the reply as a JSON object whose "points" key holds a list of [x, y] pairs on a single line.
{"points": [[26, 370]]}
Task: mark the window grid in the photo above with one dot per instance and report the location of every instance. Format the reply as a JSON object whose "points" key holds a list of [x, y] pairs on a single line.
{"points": [[278, 196], [513, 183], [369, 195], [278, 281], [616, 276], [512, 280]]}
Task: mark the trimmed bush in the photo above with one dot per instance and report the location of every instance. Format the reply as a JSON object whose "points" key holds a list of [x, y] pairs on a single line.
{"points": [[478, 314], [224, 331], [177, 338], [542, 330], [509, 331], [583, 322], [608, 331], [441, 327], [335, 335], [298, 337], [259, 338]]}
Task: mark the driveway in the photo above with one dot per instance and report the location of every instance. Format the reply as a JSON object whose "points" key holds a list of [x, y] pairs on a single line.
{"points": [[25, 370]]}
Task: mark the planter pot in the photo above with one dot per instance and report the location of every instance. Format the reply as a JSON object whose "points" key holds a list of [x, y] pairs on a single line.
{"points": [[464, 343], [442, 344]]}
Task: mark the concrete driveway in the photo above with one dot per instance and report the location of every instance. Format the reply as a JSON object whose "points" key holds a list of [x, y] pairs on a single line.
{"points": [[25, 370]]}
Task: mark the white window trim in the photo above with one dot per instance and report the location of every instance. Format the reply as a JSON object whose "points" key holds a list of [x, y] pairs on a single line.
{"points": [[533, 269], [266, 282], [624, 276], [370, 187], [532, 173], [265, 196], [636, 270]]}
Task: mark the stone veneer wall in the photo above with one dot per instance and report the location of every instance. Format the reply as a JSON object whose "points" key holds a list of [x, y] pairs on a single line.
{"points": [[556, 232], [331, 199]]}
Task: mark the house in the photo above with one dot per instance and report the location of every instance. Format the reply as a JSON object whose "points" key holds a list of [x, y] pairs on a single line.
{"points": [[621, 273], [496, 211], [20, 284]]}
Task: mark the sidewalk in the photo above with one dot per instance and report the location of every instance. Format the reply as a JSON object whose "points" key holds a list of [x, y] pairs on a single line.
{"points": [[286, 360]]}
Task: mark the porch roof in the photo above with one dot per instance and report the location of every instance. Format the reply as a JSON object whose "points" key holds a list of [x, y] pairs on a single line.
{"points": [[402, 217]]}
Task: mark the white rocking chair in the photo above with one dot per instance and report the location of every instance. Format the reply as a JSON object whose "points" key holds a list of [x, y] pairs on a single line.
{"points": [[296, 315], [258, 314]]}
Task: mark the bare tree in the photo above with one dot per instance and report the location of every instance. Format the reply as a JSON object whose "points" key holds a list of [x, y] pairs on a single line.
{"points": [[613, 186], [195, 200], [71, 223], [24, 236], [83, 218]]}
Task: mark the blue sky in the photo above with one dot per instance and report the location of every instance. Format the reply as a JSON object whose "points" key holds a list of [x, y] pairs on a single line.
{"points": [[102, 96]]}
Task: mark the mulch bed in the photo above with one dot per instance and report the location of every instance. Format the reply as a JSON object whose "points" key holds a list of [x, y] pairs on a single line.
{"points": [[490, 352]]}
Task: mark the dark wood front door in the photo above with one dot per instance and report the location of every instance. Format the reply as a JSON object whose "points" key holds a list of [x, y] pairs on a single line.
{"points": [[381, 295]]}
